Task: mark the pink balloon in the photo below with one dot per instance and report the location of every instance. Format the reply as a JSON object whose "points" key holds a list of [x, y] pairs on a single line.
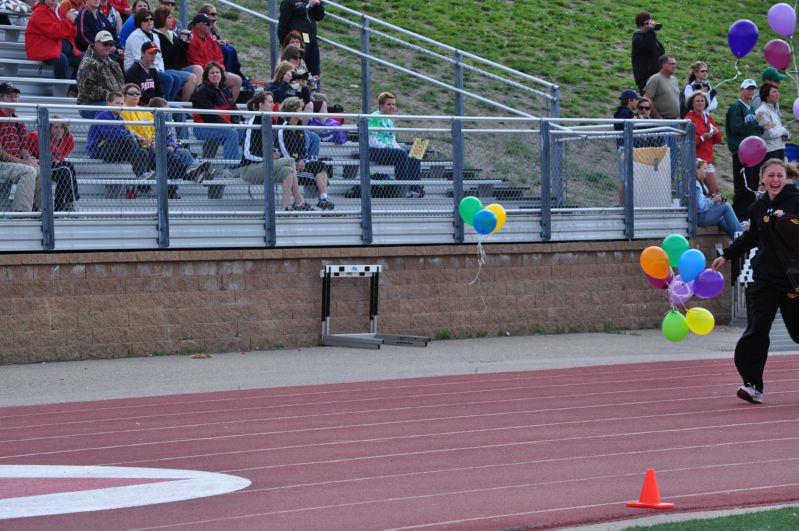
{"points": [[752, 151], [782, 19], [777, 54], [660, 283]]}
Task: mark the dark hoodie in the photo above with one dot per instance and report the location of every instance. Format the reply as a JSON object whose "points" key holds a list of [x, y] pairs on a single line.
{"points": [[768, 263]]}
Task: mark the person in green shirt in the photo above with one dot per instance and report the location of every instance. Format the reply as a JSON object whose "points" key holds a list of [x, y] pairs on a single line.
{"points": [[383, 146], [741, 122]]}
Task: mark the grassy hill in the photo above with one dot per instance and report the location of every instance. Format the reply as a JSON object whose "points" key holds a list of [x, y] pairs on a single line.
{"points": [[582, 46]]}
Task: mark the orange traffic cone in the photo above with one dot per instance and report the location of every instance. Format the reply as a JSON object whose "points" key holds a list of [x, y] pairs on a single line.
{"points": [[650, 494]]}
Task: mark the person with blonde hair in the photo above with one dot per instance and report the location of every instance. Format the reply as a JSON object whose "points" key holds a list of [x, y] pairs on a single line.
{"points": [[383, 145], [697, 80], [62, 143], [711, 207]]}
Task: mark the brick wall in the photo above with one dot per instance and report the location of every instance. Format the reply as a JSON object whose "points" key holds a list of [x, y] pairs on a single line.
{"points": [[67, 306]]}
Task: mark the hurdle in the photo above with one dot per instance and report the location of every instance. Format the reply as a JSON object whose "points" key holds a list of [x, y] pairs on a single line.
{"points": [[371, 339]]}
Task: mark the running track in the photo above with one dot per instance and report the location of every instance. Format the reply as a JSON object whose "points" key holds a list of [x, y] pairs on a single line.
{"points": [[510, 450]]}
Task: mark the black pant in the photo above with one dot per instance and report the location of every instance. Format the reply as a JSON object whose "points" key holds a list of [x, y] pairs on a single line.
{"points": [[761, 308], [66, 184], [745, 185], [127, 149]]}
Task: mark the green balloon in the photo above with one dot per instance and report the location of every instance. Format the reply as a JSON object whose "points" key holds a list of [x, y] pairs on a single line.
{"points": [[468, 208], [674, 326], [675, 245]]}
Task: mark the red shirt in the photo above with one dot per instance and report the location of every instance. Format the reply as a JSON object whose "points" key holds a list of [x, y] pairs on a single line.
{"points": [[704, 148], [203, 51], [13, 137], [58, 150]]}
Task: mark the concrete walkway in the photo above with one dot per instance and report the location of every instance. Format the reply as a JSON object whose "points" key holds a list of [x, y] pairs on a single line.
{"points": [[131, 377]]}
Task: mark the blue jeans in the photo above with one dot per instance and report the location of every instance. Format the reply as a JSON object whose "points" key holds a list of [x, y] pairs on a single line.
{"points": [[88, 115], [64, 61], [720, 214], [312, 145], [176, 163], [229, 139], [405, 168], [169, 84]]}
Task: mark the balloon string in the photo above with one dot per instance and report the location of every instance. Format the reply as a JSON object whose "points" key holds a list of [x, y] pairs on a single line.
{"points": [[737, 73], [793, 56], [481, 259]]}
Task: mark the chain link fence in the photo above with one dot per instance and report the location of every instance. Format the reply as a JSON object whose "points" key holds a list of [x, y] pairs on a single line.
{"points": [[163, 165]]}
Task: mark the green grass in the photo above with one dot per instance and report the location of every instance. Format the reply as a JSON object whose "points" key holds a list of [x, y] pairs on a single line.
{"points": [[777, 519]]}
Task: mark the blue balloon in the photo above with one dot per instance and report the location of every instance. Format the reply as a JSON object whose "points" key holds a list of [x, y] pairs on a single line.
{"points": [[484, 222], [692, 262], [742, 37]]}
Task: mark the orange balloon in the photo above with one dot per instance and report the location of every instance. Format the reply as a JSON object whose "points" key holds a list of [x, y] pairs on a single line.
{"points": [[655, 262]]}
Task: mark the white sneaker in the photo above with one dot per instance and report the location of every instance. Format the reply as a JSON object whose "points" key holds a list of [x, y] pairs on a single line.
{"points": [[750, 394]]}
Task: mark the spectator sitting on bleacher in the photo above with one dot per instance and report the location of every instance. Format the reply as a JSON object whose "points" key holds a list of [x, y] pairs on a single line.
{"points": [[62, 143], [143, 74], [177, 84], [290, 82], [283, 169], [51, 39], [294, 38], [122, 7], [174, 23], [204, 49], [90, 22], [16, 163], [383, 146], [291, 143], [111, 13], [129, 27], [115, 143], [229, 52], [213, 94], [180, 161], [174, 45], [98, 74], [66, 5]]}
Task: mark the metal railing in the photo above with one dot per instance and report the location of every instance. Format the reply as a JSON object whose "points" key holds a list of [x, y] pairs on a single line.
{"points": [[621, 184]]}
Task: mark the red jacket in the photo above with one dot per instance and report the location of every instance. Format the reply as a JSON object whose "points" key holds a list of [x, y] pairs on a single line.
{"points": [[704, 148], [58, 151], [201, 52], [44, 34]]}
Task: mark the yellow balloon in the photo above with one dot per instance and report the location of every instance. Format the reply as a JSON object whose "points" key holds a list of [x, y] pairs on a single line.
{"points": [[655, 262], [500, 213], [700, 321]]}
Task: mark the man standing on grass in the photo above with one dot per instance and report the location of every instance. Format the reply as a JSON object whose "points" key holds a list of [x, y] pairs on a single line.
{"points": [[646, 49], [740, 123]]}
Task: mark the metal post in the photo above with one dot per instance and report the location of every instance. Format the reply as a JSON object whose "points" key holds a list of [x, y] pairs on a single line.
{"points": [[546, 182], [366, 74], [161, 178], [46, 178], [274, 41], [554, 103], [627, 179], [269, 186], [459, 83], [184, 14], [689, 176], [457, 176], [556, 150], [366, 180]]}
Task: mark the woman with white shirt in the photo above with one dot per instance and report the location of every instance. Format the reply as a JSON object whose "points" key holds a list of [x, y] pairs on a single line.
{"points": [[697, 80], [768, 116]]}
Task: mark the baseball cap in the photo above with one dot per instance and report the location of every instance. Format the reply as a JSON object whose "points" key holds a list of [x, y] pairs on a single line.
{"points": [[8, 88], [201, 17], [629, 94], [771, 74], [103, 36], [148, 47], [748, 83]]}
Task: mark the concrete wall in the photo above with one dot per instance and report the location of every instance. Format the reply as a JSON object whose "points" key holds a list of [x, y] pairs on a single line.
{"points": [[67, 306]]}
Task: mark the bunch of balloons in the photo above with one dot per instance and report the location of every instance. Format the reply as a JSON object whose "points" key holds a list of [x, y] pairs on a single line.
{"points": [[693, 280], [485, 220]]}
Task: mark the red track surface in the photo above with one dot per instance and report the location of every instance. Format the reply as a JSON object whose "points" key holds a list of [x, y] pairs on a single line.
{"points": [[531, 449]]}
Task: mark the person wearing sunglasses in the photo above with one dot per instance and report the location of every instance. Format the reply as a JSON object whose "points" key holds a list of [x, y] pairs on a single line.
{"points": [[129, 26], [697, 80], [98, 74], [205, 49], [628, 100]]}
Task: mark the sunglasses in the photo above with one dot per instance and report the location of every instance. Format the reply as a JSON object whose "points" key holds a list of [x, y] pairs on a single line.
{"points": [[173, 4], [644, 107], [148, 19], [133, 94], [705, 70], [108, 44], [212, 15]]}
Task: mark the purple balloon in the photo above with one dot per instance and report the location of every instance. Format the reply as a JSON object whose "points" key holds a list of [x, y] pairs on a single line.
{"points": [[782, 19], [796, 108], [777, 54], [752, 151], [708, 284], [680, 291], [742, 37], [660, 283]]}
